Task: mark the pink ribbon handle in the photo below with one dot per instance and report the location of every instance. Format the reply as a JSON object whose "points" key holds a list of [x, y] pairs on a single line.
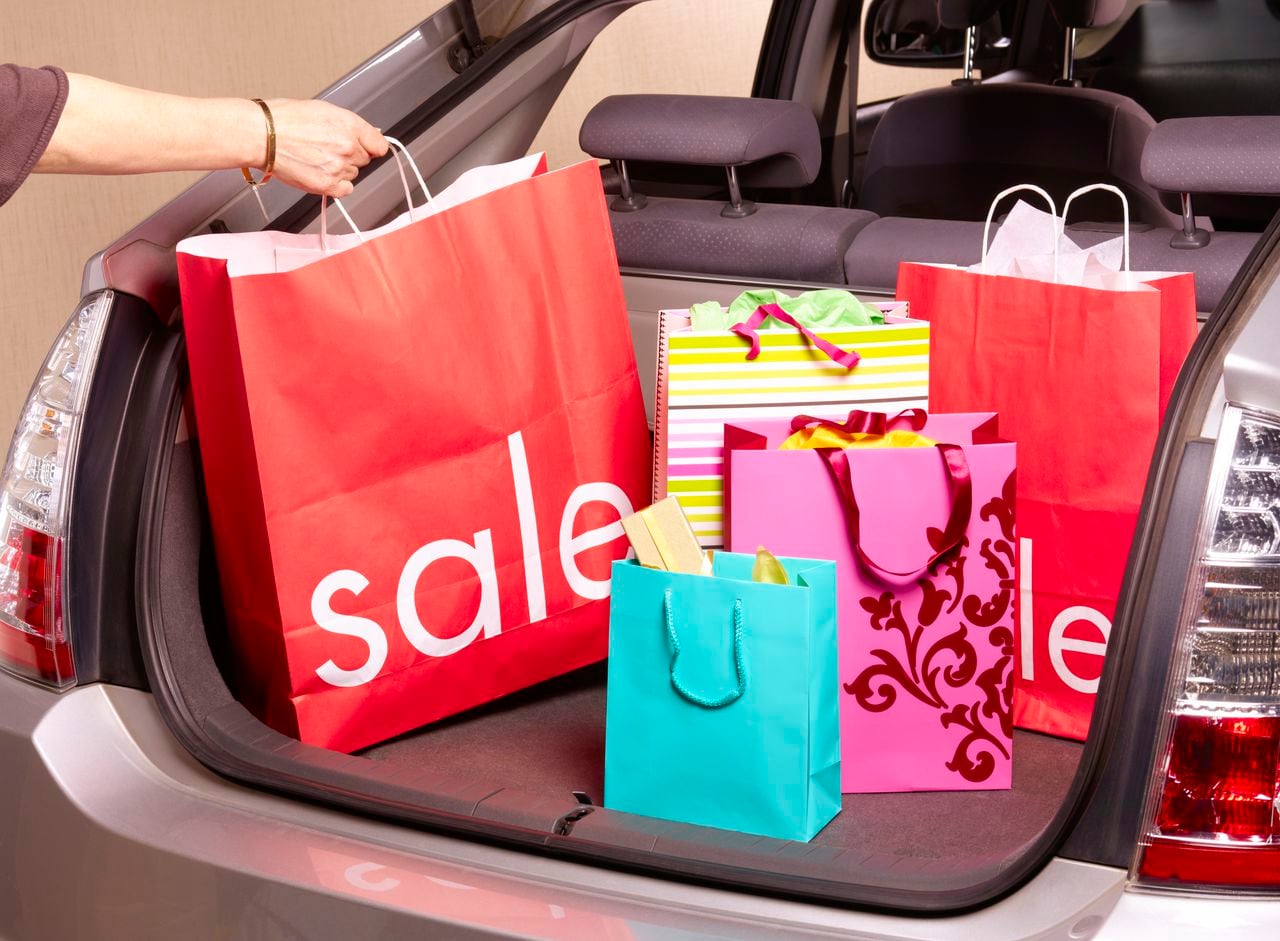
{"points": [[846, 358], [959, 488]]}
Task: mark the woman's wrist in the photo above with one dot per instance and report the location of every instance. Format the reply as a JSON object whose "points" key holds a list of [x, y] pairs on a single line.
{"points": [[231, 130], [252, 134], [214, 133]]}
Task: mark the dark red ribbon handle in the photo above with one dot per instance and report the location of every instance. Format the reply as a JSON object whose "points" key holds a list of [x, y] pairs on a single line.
{"points": [[870, 423], [959, 487], [846, 358]]}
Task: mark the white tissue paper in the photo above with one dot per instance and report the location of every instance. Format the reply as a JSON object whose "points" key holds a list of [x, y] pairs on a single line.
{"points": [[1023, 248]]}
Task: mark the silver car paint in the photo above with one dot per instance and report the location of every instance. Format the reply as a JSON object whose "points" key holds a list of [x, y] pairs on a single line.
{"points": [[112, 831]]}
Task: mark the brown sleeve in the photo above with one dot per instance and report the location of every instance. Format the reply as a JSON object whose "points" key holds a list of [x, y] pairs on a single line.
{"points": [[31, 102]]}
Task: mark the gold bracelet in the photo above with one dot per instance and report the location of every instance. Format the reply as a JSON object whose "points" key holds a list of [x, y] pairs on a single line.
{"points": [[269, 164]]}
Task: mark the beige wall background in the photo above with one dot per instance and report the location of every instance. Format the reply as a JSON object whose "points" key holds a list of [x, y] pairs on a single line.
{"points": [[295, 48], [288, 48]]}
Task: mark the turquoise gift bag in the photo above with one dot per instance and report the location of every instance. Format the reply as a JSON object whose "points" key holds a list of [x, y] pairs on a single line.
{"points": [[722, 697]]}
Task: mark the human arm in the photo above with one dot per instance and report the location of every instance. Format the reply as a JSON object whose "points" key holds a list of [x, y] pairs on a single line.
{"points": [[110, 128]]}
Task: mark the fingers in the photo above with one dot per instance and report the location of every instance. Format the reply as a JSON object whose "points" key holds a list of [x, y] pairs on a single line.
{"points": [[341, 183], [336, 179], [371, 139], [365, 143]]}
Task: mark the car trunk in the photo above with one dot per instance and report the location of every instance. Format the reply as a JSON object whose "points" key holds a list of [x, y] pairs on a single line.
{"points": [[549, 741], [529, 770]]}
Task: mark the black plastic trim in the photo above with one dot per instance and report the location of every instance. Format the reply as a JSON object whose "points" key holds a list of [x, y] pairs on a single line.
{"points": [[1107, 829], [123, 404], [775, 46], [1107, 819]]}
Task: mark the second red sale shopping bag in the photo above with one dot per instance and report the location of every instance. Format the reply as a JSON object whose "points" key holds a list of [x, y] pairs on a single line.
{"points": [[417, 449], [1080, 374]]}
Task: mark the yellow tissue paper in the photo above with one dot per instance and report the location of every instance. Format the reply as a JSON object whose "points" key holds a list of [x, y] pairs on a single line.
{"points": [[823, 436], [768, 569]]}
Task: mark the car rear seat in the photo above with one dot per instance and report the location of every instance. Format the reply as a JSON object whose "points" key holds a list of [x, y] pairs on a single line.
{"points": [[1188, 158], [761, 143], [942, 153]]}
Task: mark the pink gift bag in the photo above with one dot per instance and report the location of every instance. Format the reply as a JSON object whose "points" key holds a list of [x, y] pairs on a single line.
{"points": [[925, 550]]}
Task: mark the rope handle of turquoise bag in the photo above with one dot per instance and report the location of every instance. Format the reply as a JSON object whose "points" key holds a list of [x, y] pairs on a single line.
{"points": [[739, 662]]}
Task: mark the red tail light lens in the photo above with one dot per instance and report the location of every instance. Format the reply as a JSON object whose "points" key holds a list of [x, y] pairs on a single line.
{"points": [[34, 495], [1221, 782], [1214, 809], [1218, 811], [30, 571]]}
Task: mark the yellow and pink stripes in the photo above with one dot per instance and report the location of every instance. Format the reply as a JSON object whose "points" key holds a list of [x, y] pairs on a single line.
{"points": [[705, 382]]}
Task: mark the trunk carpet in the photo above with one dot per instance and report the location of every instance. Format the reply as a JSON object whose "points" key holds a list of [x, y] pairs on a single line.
{"points": [[550, 739]]}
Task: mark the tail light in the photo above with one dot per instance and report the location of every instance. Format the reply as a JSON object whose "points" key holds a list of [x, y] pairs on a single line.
{"points": [[1214, 807], [35, 492]]}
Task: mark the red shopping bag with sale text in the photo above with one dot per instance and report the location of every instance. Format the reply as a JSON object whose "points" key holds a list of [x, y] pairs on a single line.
{"points": [[1080, 375], [417, 445]]}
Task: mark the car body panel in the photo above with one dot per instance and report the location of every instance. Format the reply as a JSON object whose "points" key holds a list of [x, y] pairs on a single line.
{"points": [[1188, 918], [114, 815]]}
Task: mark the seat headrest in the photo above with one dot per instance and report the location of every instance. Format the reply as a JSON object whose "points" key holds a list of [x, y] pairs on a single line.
{"points": [[776, 142], [961, 14], [1086, 14], [1227, 155]]}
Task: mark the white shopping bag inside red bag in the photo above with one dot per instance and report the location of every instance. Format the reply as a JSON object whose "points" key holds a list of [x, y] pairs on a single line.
{"points": [[273, 252]]}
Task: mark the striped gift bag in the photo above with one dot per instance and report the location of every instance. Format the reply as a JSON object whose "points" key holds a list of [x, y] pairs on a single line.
{"points": [[705, 380]]}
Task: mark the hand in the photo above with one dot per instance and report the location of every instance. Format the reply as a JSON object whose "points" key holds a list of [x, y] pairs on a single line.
{"points": [[320, 147]]}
